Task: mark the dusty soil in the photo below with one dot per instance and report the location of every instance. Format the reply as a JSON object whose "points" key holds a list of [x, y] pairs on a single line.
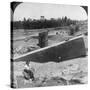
{"points": [[69, 72]]}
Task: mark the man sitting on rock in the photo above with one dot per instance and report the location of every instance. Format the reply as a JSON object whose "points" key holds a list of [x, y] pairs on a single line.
{"points": [[28, 72]]}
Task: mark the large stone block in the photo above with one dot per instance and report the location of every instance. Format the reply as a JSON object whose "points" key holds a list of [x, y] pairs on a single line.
{"points": [[62, 51]]}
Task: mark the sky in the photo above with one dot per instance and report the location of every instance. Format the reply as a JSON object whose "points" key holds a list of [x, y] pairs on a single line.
{"points": [[35, 10]]}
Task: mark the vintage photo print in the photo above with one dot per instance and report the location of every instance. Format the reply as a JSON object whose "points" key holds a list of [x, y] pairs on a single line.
{"points": [[49, 44]]}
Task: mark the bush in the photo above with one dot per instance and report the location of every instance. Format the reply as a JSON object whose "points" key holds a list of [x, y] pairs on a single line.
{"points": [[74, 29]]}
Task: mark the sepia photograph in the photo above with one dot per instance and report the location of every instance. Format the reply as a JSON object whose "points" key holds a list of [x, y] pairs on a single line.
{"points": [[49, 44]]}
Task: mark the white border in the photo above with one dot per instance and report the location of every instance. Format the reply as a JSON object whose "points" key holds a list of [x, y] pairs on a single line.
{"points": [[5, 44]]}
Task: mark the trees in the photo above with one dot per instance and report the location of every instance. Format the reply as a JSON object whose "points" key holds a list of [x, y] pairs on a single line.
{"points": [[45, 23], [73, 29]]}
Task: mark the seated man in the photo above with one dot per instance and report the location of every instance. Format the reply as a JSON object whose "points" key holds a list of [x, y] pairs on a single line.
{"points": [[28, 72]]}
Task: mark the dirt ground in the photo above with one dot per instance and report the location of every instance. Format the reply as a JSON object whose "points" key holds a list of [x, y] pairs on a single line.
{"points": [[69, 72]]}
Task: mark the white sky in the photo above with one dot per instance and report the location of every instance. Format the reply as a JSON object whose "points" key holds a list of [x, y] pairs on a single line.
{"points": [[35, 10]]}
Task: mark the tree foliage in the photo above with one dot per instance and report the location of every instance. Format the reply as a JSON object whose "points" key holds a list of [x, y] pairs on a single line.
{"points": [[73, 29], [39, 24]]}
